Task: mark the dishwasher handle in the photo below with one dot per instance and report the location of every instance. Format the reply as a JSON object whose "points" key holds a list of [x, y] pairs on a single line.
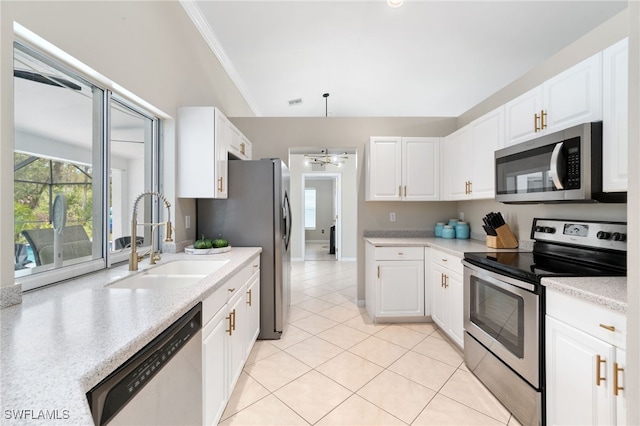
{"points": [[109, 396]]}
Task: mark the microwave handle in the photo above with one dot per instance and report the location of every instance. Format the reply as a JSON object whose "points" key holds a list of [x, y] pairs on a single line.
{"points": [[557, 168]]}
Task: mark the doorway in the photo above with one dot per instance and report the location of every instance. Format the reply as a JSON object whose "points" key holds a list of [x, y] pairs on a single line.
{"points": [[321, 228]]}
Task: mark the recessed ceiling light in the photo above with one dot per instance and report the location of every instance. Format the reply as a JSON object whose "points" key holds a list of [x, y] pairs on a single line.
{"points": [[395, 3]]}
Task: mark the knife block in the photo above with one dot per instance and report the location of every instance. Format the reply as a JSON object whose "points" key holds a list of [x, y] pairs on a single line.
{"points": [[504, 239]]}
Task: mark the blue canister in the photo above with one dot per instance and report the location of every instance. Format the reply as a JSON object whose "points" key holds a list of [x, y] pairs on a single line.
{"points": [[448, 232], [462, 230], [453, 222], [439, 227]]}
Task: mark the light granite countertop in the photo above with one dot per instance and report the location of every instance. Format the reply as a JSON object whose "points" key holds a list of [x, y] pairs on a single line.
{"points": [[63, 340], [610, 292], [455, 247]]}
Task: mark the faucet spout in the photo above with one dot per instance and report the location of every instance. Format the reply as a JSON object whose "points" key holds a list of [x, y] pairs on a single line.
{"points": [[134, 257]]}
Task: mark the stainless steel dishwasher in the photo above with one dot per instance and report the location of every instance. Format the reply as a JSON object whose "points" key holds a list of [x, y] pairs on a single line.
{"points": [[160, 385]]}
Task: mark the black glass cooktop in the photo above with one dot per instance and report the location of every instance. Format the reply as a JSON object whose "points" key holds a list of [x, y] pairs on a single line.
{"points": [[532, 267]]}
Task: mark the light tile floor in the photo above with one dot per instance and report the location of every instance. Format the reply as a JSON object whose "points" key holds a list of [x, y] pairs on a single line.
{"points": [[334, 366]]}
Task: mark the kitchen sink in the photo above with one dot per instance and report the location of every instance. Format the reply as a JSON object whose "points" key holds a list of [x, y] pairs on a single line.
{"points": [[188, 267], [177, 274], [157, 282]]}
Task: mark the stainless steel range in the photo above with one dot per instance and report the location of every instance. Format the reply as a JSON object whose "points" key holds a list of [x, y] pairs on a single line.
{"points": [[504, 304]]}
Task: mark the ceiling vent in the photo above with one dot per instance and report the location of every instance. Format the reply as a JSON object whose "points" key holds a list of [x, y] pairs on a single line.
{"points": [[294, 102]]}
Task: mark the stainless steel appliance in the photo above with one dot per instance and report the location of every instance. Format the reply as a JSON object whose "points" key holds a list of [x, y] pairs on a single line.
{"points": [[159, 385], [504, 305], [562, 166], [257, 213]]}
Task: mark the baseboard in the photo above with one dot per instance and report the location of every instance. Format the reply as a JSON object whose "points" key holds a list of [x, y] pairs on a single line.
{"points": [[297, 259], [360, 303], [317, 241], [348, 259]]}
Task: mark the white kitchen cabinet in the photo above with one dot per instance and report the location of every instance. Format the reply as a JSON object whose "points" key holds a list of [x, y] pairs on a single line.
{"points": [[228, 337], [445, 282], [205, 139], [567, 99], [215, 361], [468, 158], [253, 309], [615, 114], [583, 363], [395, 282], [402, 169]]}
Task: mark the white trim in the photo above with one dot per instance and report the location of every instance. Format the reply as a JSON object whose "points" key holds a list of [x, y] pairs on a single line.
{"points": [[348, 259], [360, 303], [297, 259], [33, 40], [201, 23]]}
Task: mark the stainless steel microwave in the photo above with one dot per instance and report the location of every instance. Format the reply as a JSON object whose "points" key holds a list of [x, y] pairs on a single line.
{"points": [[565, 166]]}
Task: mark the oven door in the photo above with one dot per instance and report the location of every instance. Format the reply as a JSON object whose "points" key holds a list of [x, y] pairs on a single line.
{"points": [[503, 314]]}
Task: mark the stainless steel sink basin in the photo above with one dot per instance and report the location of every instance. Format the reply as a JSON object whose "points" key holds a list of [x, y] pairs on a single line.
{"points": [[177, 274], [188, 267]]}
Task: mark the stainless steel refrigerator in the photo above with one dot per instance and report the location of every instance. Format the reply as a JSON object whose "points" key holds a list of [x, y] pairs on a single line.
{"points": [[257, 213]]}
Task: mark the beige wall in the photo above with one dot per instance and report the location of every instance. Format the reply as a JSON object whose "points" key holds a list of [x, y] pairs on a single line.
{"points": [[150, 48], [272, 137]]}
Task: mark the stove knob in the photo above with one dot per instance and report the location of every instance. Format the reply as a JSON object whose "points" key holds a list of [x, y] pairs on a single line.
{"points": [[550, 230], [619, 236], [539, 229], [602, 235]]}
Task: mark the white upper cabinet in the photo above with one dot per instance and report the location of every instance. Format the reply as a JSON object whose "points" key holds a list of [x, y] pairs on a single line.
{"points": [[570, 98], [615, 114], [205, 138], [402, 169], [468, 158]]}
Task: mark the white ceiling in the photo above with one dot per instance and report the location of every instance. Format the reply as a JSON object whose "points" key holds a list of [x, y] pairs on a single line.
{"points": [[427, 58]]}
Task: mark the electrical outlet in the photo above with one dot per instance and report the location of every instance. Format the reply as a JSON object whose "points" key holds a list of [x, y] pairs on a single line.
{"points": [[462, 216], [187, 222], [392, 216]]}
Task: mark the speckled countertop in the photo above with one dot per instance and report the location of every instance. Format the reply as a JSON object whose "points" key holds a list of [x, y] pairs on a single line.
{"points": [[62, 340], [453, 246], [610, 292]]}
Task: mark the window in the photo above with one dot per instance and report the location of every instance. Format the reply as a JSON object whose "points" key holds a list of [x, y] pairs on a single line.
{"points": [[310, 208], [81, 155]]}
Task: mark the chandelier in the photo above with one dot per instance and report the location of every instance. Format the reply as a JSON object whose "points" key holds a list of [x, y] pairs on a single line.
{"points": [[325, 158]]}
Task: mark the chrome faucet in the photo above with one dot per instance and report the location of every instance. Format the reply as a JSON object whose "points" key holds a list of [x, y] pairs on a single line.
{"points": [[134, 257]]}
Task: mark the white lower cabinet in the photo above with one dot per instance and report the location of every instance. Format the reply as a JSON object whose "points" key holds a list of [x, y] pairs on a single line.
{"points": [[445, 282], [395, 282], [584, 367], [229, 332]]}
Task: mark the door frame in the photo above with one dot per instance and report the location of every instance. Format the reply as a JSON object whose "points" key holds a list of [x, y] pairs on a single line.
{"points": [[336, 179]]}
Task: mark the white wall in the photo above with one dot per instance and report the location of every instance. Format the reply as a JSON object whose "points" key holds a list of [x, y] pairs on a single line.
{"points": [[150, 48], [349, 195], [324, 209]]}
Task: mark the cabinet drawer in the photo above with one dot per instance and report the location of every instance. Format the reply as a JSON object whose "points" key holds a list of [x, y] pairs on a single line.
{"points": [[213, 304], [399, 253], [447, 260], [587, 317]]}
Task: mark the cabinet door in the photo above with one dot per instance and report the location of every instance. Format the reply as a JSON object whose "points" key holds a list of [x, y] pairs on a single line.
{"points": [[615, 116], [222, 140], [438, 295], [253, 311], [215, 345], [400, 288], [521, 123], [420, 169], [574, 96], [574, 395], [487, 135], [457, 164], [238, 338], [455, 306], [384, 169], [621, 397], [196, 163]]}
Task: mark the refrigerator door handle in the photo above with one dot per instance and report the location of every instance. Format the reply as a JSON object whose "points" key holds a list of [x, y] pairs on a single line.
{"points": [[287, 220]]}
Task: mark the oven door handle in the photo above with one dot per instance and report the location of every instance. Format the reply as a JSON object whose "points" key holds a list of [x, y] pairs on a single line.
{"points": [[498, 279]]}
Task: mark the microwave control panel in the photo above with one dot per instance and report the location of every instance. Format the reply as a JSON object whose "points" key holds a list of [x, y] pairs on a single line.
{"points": [[573, 163]]}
